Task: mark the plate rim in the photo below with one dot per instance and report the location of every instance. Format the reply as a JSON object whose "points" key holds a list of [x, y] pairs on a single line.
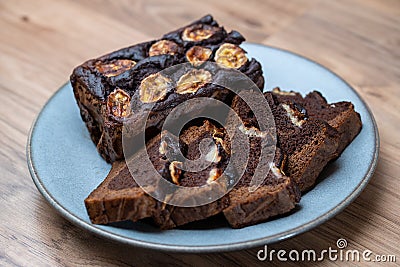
{"points": [[209, 248]]}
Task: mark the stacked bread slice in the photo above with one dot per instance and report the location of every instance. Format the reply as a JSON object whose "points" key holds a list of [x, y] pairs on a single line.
{"points": [[120, 87]]}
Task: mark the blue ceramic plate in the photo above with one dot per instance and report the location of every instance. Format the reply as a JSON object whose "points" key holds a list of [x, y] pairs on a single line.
{"points": [[65, 166]]}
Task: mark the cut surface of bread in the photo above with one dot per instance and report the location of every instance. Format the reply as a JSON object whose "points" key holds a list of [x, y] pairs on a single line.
{"points": [[309, 143], [119, 198], [277, 194], [340, 115]]}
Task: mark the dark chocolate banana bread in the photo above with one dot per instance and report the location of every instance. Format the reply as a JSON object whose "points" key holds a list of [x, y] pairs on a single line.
{"points": [[105, 204], [309, 143], [208, 172], [339, 115], [134, 86], [276, 195], [105, 87], [119, 198]]}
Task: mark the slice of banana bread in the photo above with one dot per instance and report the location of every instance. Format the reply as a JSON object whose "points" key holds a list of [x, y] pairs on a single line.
{"points": [[106, 87], [119, 198], [309, 143], [339, 115], [105, 204]]}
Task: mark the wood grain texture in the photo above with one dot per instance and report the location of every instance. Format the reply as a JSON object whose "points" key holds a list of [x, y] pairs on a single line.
{"points": [[42, 40]]}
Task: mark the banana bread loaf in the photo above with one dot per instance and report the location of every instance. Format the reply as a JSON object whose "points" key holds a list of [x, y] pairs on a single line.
{"points": [[129, 83]]}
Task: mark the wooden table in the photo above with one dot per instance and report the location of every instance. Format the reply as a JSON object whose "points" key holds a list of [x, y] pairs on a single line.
{"points": [[42, 40]]}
